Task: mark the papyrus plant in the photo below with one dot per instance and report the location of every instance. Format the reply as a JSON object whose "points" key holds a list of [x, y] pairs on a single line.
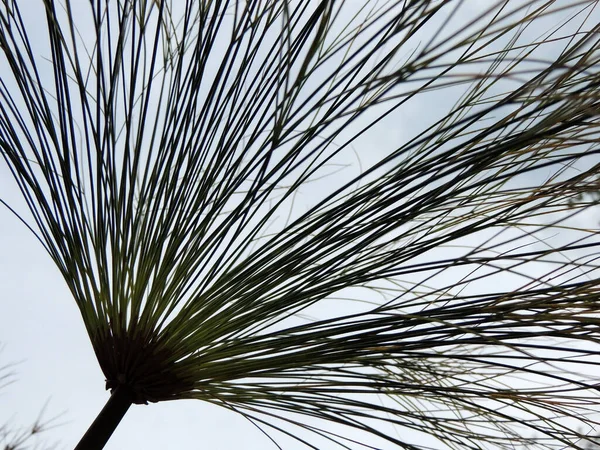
{"points": [[179, 161], [12, 436]]}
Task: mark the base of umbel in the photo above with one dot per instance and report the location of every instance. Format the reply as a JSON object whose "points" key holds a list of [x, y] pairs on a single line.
{"points": [[147, 368]]}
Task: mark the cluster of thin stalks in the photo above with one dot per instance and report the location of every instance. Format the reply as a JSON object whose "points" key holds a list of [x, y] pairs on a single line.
{"points": [[181, 162], [23, 438], [14, 437]]}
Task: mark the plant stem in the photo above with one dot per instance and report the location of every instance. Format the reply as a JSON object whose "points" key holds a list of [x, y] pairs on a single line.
{"points": [[107, 421]]}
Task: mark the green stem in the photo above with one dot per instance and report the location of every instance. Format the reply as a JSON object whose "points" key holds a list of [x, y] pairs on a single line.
{"points": [[107, 421]]}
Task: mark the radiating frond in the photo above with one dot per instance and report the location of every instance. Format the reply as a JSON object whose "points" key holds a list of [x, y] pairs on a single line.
{"points": [[179, 161]]}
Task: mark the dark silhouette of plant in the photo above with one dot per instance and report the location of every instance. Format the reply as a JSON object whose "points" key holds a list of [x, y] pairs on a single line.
{"points": [[176, 161]]}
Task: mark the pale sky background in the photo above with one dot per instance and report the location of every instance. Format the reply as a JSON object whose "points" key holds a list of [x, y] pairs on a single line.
{"points": [[42, 332]]}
